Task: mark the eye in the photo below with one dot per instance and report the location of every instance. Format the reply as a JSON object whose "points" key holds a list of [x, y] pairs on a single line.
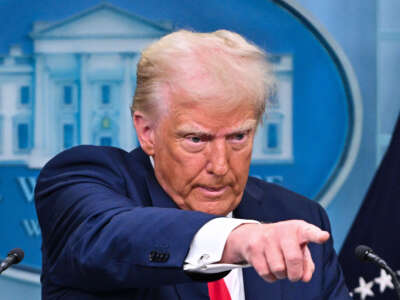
{"points": [[194, 143], [195, 139], [238, 137], [239, 140]]}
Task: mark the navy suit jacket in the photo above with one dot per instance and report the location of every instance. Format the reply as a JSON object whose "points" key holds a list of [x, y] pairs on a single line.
{"points": [[111, 232]]}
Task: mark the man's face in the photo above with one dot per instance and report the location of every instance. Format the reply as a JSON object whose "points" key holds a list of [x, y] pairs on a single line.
{"points": [[202, 154]]}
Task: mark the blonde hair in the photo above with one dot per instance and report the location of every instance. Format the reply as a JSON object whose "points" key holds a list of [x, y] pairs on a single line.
{"points": [[203, 65]]}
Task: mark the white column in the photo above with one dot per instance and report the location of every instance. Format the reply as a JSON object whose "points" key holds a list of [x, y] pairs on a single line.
{"points": [[9, 107], [84, 99], [52, 121], [39, 154], [127, 133], [39, 137]]}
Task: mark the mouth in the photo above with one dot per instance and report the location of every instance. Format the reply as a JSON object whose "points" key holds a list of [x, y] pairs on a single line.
{"points": [[213, 191]]}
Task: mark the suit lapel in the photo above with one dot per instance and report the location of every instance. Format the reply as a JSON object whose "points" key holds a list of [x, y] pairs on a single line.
{"points": [[158, 196], [253, 208], [250, 208]]}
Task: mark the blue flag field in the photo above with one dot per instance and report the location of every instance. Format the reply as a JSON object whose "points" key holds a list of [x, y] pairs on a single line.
{"points": [[377, 225]]}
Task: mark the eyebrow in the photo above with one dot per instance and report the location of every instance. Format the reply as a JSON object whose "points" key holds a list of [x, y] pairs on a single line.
{"points": [[245, 126], [197, 130]]}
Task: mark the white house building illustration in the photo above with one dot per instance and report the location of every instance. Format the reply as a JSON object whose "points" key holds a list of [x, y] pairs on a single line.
{"points": [[77, 85], [274, 139]]}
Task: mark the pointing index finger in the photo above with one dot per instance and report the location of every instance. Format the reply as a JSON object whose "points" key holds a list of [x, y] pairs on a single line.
{"points": [[310, 233]]}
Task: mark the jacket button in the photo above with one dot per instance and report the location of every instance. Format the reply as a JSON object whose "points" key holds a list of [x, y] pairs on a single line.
{"points": [[152, 256], [166, 257], [155, 256]]}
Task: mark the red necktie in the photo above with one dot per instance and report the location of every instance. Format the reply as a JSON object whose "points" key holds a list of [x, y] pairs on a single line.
{"points": [[218, 290]]}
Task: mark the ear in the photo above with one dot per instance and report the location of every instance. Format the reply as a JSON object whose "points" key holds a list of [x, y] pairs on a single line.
{"points": [[145, 130]]}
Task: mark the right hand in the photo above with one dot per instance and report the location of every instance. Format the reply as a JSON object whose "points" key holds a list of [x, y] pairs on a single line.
{"points": [[276, 250]]}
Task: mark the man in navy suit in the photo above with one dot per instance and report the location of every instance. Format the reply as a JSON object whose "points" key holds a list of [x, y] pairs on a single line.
{"points": [[161, 221]]}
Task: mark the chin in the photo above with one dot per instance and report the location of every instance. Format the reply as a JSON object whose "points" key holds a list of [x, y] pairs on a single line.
{"points": [[222, 213], [220, 206], [220, 210]]}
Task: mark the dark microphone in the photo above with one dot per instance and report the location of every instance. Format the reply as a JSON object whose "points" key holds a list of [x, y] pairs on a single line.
{"points": [[14, 256], [365, 253]]}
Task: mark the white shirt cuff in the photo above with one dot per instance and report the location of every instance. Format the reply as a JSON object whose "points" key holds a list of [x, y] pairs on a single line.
{"points": [[208, 246]]}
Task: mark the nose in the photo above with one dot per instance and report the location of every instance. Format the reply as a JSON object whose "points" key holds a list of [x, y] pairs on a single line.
{"points": [[218, 161]]}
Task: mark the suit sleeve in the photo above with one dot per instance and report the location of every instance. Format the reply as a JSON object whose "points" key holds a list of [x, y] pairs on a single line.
{"points": [[333, 284], [96, 238]]}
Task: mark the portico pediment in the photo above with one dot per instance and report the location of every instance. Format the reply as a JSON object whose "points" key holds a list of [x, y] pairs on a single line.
{"points": [[102, 21], [102, 29]]}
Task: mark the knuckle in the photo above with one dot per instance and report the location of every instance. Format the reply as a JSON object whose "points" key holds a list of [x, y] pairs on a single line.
{"points": [[300, 222], [252, 247], [271, 239], [295, 276], [268, 235], [294, 259], [262, 270], [278, 269], [264, 273], [308, 230], [295, 269]]}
